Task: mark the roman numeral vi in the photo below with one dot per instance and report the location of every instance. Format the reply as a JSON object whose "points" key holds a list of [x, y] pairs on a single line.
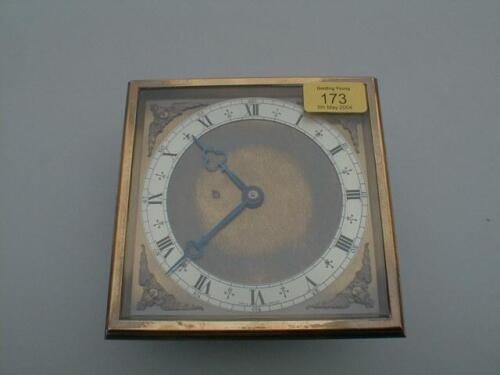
{"points": [[256, 297]]}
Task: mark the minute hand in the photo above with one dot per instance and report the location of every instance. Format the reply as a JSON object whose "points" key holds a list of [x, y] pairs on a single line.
{"points": [[232, 176], [203, 240], [194, 249]]}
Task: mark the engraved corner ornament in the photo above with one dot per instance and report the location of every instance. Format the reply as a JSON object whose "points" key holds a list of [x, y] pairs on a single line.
{"points": [[154, 294], [162, 115], [356, 292]]}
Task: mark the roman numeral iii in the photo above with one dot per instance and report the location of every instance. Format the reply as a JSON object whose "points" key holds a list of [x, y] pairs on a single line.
{"points": [[353, 194], [344, 243]]}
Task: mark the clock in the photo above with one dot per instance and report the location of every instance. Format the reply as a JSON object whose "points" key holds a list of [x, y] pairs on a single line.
{"points": [[254, 207]]}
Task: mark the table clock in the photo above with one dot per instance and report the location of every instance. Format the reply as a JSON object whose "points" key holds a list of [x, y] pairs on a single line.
{"points": [[254, 207]]}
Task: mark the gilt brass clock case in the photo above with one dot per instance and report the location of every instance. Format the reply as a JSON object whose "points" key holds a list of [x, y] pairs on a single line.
{"points": [[241, 214]]}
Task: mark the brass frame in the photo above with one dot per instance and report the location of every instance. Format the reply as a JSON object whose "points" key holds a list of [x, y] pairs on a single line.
{"points": [[390, 326]]}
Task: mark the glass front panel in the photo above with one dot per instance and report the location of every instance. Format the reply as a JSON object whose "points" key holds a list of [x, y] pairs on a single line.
{"points": [[243, 206]]}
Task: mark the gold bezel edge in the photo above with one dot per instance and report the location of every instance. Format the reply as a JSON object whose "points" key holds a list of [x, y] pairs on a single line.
{"points": [[366, 328], [247, 81]]}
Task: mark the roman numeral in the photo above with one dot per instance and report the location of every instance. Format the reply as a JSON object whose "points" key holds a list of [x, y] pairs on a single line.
{"points": [[344, 243], [252, 109], [165, 244], [205, 121], [256, 297], [336, 150], [169, 154], [155, 199], [353, 194], [310, 283], [202, 283], [299, 120]]}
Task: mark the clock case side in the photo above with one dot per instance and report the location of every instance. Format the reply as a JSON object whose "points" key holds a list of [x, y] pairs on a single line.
{"points": [[391, 326], [385, 200], [122, 206]]}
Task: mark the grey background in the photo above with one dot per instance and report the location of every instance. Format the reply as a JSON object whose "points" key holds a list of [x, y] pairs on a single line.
{"points": [[63, 73]]}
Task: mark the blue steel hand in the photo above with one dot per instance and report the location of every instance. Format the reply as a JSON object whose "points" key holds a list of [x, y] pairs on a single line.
{"points": [[209, 152], [194, 249]]}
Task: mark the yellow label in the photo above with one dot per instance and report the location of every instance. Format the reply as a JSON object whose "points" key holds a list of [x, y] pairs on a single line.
{"points": [[335, 97]]}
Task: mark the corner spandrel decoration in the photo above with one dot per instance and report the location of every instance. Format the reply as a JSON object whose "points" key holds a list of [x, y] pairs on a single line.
{"points": [[162, 116], [355, 293], [154, 294]]}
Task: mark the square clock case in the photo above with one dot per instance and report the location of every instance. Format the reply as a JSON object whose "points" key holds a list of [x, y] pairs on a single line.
{"points": [[254, 207]]}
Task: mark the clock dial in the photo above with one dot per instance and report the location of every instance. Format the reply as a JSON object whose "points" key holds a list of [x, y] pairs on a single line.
{"points": [[252, 205]]}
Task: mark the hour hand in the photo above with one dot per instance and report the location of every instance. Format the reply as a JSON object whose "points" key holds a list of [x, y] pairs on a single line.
{"points": [[215, 159], [233, 177]]}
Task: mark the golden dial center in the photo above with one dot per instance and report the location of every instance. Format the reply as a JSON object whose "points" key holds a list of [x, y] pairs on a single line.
{"points": [[281, 221]]}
